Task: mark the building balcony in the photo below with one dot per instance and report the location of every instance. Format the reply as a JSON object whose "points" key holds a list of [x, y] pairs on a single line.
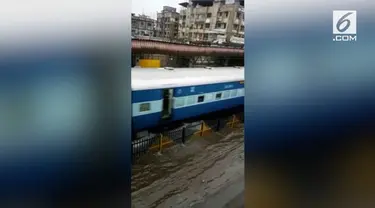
{"points": [[194, 30], [222, 19], [237, 40], [201, 10], [200, 19], [219, 30]]}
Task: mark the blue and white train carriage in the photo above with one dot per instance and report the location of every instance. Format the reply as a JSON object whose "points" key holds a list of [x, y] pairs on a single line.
{"points": [[166, 95]]}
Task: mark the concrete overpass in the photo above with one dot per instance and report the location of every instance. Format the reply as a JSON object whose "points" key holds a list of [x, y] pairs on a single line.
{"points": [[170, 48]]}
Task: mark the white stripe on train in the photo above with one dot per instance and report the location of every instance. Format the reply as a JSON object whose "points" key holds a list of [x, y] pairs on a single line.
{"points": [[156, 106]]}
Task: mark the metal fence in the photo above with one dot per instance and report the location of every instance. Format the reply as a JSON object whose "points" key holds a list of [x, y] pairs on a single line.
{"points": [[156, 142]]}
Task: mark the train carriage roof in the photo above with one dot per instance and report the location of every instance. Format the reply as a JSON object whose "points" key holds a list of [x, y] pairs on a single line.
{"points": [[151, 78]]}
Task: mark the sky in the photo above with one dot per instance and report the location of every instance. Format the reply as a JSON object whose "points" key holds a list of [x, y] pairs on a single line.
{"points": [[151, 7]]}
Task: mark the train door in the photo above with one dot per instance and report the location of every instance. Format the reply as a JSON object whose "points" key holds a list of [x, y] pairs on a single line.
{"points": [[167, 103]]}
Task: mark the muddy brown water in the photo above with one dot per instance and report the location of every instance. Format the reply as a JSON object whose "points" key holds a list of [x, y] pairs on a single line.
{"points": [[186, 175]]}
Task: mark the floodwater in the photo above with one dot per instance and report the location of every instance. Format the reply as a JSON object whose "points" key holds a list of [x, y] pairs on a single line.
{"points": [[207, 171]]}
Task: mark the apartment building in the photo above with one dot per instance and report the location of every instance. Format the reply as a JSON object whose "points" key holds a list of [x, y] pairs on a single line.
{"points": [[143, 26], [212, 21], [167, 23]]}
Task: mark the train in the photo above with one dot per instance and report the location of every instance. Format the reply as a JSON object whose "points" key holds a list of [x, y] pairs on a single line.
{"points": [[168, 95]]}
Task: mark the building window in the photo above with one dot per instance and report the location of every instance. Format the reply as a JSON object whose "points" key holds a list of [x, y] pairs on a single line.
{"points": [[201, 99], [205, 36], [144, 107], [226, 14], [209, 15], [238, 15], [218, 96], [207, 25]]}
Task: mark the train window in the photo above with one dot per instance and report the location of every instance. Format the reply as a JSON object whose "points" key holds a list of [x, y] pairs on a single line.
{"points": [[218, 96], [200, 99], [144, 107], [226, 94], [190, 100], [241, 92], [209, 97], [179, 102], [233, 93]]}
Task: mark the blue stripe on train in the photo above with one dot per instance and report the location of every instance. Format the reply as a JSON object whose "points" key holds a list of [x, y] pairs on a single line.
{"points": [[146, 95], [194, 90], [196, 110], [146, 121]]}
